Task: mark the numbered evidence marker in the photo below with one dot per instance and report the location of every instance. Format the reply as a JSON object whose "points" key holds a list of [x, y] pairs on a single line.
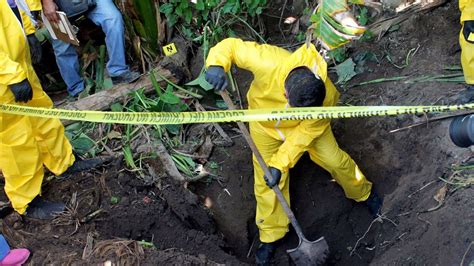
{"points": [[170, 49]]}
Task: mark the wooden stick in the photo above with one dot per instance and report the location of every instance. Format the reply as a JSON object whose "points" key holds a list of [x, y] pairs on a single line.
{"points": [[431, 120]]}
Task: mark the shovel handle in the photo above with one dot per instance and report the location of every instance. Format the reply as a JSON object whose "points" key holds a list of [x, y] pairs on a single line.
{"points": [[253, 147]]}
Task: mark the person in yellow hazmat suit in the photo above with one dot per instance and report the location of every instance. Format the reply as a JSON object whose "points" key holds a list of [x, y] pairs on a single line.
{"points": [[281, 80], [27, 143], [466, 41]]}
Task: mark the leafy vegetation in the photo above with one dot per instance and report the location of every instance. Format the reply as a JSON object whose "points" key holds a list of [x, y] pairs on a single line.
{"points": [[147, 21], [334, 25]]}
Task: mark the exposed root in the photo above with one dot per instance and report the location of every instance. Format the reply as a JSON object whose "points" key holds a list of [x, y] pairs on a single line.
{"points": [[465, 253], [126, 252], [69, 216], [379, 219]]}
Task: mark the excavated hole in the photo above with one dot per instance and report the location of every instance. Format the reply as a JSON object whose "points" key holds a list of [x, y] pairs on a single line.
{"points": [[318, 202]]}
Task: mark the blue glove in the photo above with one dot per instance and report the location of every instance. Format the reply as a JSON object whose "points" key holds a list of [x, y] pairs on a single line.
{"points": [[22, 91], [467, 30], [216, 76], [276, 174]]}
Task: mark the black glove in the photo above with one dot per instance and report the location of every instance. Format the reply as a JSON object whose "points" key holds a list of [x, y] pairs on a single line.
{"points": [[276, 174], [22, 91], [468, 28], [36, 50], [36, 14], [215, 75], [467, 95]]}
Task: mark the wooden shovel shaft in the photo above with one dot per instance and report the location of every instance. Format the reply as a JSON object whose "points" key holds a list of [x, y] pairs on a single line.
{"points": [[262, 163]]}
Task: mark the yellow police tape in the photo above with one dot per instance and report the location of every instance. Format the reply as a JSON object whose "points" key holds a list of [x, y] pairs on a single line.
{"points": [[167, 118]]}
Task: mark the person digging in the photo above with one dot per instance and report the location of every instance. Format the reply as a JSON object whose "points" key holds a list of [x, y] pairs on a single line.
{"points": [[28, 143], [282, 80]]}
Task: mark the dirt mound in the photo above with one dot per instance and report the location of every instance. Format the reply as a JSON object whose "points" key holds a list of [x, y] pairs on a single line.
{"points": [[116, 205]]}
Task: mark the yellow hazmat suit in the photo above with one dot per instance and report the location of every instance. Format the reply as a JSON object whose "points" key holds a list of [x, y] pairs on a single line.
{"points": [[282, 143], [26, 143], [467, 49]]}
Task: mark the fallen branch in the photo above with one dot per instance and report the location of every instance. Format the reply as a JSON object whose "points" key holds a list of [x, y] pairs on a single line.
{"points": [[171, 69], [167, 162], [219, 129], [102, 100], [442, 117]]}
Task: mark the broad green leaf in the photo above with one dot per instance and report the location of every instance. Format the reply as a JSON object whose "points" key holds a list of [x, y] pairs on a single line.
{"points": [[169, 97], [345, 71], [140, 28], [221, 104], [116, 107], [363, 16], [329, 30], [42, 34], [108, 83], [166, 8], [156, 86], [200, 5], [146, 13], [200, 81], [338, 54], [173, 129], [73, 127], [82, 144]]}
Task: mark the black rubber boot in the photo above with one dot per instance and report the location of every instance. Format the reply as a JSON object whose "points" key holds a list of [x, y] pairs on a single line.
{"points": [[466, 96], [264, 253], [82, 165], [374, 203], [43, 209], [127, 77]]}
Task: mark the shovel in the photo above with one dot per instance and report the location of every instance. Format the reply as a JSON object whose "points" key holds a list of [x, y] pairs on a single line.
{"points": [[307, 252]]}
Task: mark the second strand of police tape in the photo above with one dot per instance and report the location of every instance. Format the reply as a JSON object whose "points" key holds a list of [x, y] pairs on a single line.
{"points": [[167, 118]]}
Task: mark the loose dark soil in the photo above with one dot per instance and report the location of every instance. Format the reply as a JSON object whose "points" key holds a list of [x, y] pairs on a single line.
{"points": [[404, 166]]}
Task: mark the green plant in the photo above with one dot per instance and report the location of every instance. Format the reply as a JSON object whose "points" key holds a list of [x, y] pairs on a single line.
{"points": [[334, 25], [363, 16], [339, 54], [300, 36], [114, 200], [191, 19], [93, 69], [144, 27], [77, 135]]}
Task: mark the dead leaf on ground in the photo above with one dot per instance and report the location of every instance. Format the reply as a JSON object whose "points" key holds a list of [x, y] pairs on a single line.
{"points": [[439, 197], [114, 135], [205, 150]]}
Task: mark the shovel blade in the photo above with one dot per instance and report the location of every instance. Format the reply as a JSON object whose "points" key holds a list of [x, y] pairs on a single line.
{"points": [[310, 253]]}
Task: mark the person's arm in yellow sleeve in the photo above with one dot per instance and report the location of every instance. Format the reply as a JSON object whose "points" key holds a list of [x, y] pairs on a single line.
{"points": [[247, 55], [35, 5], [13, 75], [297, 143], [27, 23], [467, 9], [11, 72]]}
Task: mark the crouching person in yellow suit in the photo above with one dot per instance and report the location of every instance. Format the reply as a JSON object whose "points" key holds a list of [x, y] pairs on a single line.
{"points": [[27, 143], [281, 80]]}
